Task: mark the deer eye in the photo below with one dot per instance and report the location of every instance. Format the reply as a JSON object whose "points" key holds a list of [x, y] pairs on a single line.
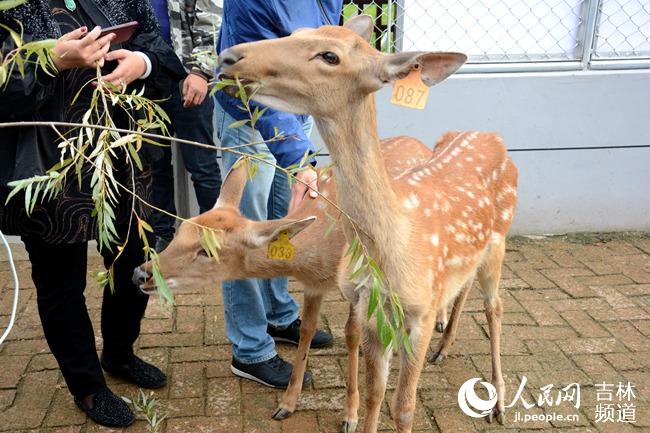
{"points": [[201, 252], [330, 57]]}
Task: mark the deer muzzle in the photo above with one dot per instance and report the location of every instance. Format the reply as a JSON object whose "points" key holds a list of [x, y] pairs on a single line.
{"points": [[141, 278]]}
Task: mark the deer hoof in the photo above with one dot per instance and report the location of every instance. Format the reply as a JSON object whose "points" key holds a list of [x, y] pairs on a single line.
{"points": [[438, 358], [349, 426], [440, 327], [496, 413], [282, 413]]}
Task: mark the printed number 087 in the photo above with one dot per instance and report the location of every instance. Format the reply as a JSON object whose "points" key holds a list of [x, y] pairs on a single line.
{"points": [[407, 96]]}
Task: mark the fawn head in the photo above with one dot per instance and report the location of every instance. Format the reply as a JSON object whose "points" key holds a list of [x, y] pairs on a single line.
{"points": [[185, 263], [318, 71]]}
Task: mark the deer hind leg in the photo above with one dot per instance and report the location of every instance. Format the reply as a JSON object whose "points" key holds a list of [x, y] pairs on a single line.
{"points": [[449, 336], [404, 398], [489, 275], [377, 366], [289, 399], [352, 341], [441, 319]]}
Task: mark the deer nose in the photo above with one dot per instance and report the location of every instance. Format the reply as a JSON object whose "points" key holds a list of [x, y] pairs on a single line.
{"points": [[229, 57], [140, 276]]}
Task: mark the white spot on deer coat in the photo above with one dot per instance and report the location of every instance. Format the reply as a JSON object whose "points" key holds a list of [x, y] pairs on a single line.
{"points": [[412, 201]]}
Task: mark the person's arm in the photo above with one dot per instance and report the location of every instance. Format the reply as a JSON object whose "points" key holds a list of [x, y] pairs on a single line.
{"points": [[27, 92], [146, 40], [290, 150], [201, 31], [202, 27]]}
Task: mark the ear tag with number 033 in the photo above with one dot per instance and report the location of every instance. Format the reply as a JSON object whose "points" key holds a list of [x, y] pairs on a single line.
{"points": [[281, 248], [410, 91]]}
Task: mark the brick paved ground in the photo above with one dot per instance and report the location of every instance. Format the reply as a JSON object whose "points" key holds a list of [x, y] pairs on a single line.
{"points": [[576, 310]]}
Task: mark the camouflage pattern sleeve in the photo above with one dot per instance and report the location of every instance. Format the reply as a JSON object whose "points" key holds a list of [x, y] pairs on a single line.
{"points": [[194, 28]]}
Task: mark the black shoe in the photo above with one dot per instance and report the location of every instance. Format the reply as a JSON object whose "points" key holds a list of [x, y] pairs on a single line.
{"points": [[275, 373], [291, 334], [108, 409], [136, 371]]}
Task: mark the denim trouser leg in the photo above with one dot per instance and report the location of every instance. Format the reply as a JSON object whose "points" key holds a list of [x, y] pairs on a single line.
{"points": [[251, 304], [279, 306], [194, 123]]}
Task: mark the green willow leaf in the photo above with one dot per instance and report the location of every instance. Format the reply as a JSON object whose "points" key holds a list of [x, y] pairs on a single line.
{"points": [[10, 4], [238, 123], [373, 302]]}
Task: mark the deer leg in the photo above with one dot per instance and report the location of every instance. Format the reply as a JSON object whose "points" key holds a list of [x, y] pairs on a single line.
{"points": [[377, 366], [352, 341], [489, 275], [441, 319], [308, 326], [404, 398], [449, 336]]}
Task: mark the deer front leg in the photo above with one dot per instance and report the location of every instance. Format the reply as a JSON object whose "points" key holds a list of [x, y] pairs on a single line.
{"points": [[310, 314], [441, 319], [352, 341], [404, 398], [377, 367], [449, 336]]}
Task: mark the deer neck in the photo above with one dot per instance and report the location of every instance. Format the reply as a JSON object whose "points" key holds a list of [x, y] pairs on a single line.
{"points": [[364, 190]]}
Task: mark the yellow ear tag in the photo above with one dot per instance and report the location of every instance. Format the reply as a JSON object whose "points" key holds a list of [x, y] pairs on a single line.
{"points": [[281, 248], [410, 91]]}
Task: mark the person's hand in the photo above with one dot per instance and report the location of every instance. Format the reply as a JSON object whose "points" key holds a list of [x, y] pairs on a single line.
{"points": [[131, 67], [195, 87], [299, 190], [80, 49]]}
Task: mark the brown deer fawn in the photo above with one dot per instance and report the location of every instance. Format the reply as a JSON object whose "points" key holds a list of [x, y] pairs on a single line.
{"points": [[431, 228], [243, 254]]}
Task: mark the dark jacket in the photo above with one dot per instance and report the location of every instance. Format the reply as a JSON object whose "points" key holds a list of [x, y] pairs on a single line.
{"points": [[246, 21], [30, 151], [36, 96]]}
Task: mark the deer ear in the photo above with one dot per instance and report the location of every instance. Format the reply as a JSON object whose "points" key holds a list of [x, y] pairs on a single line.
{"points": [[363, 25], [263, 232], [435, 66], [233, 186]]}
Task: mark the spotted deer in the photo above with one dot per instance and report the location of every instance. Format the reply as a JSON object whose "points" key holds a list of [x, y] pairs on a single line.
{"points": [[432, 228], [243, 254]]}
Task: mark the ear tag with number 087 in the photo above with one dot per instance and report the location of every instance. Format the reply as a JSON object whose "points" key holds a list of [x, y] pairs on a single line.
{"points": [[281, 248], [410, 91]]}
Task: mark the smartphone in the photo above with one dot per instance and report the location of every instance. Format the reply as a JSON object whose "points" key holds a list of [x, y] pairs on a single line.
{"points": [[123, 32]]}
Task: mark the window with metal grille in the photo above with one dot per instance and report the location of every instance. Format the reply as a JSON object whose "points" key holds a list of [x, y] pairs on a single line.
{"points": [[515, 34]]}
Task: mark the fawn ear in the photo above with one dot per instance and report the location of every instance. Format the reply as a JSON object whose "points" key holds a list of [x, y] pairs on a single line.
{"points": [[435, 66], [233, 186], [262, 232], [363, 25]]}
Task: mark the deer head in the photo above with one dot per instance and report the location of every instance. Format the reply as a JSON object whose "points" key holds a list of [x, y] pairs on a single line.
{"points": [[316, 71], [186, 264]]}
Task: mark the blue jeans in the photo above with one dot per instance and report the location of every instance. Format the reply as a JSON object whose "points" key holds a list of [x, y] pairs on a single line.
{"points": [[194, 123], [251, 305]]}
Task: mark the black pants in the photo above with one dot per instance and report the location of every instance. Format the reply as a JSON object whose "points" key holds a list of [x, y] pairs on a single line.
{"points": [[59, 274], [194, 123]]}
